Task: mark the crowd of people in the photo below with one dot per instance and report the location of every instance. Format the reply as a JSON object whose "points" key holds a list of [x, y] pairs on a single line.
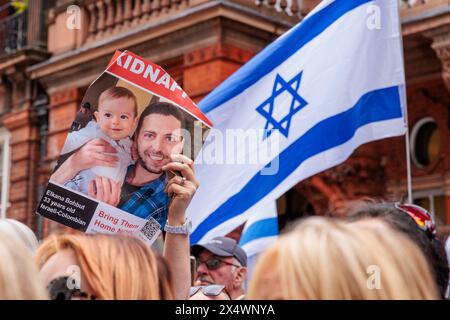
{"points": [[380, 251], [373, 251]]}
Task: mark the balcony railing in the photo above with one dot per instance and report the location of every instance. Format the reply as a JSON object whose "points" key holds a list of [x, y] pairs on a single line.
{"points": [[411, 3], [302, 7], [291, 7], [13, 33], [106, 18], [109, 17]]}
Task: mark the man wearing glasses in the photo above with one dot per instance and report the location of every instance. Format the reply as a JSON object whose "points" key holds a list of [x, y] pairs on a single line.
{"points": [[221, 261]]}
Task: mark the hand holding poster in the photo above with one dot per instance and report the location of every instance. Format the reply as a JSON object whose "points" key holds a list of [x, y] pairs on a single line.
{"points": [[134, 119]]}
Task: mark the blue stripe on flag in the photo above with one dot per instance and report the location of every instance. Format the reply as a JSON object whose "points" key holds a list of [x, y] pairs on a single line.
{"points": [[277, 52], [260, 229], [378, 105]]}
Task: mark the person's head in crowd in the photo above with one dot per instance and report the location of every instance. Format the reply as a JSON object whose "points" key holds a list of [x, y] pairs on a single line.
{"points": [[19, 275], [159, 134], [221, 261], [211, 292], [103, 267], [20, 232], [418, 225], [330, 259], [116, 114]]}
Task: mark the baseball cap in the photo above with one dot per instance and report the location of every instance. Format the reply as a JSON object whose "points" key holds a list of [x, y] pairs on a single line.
{"points": [[222, 247]]}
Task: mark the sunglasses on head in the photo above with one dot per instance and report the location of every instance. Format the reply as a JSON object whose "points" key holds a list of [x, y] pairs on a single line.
{"points": [[213, 263], [423, 219], [59, 290], [211, 291]]}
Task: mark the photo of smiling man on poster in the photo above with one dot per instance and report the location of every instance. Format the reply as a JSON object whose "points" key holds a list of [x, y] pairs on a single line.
{"points": [[129, 152], [159, 143]]}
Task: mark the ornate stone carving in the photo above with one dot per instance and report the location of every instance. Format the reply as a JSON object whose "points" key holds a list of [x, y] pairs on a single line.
{"points": [[441, 45]]}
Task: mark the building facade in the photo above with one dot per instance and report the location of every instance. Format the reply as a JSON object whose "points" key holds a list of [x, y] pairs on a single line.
{"points": [[53, 50]]}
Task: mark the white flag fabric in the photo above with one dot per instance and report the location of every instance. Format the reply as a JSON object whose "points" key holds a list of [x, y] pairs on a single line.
{"points": [[260, 231], [330, 84], [261, 228]]}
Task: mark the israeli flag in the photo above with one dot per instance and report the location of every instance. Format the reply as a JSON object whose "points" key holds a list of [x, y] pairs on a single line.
{"points": [[261, 228], [260, 231], [332, 83]]}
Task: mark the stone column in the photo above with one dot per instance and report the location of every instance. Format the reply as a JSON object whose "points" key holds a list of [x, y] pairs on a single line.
{"points": [[441, 44]]}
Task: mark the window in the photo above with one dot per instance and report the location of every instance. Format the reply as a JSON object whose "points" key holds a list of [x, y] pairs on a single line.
{"points": [[4, 171], [425, 142], [433, 201]]}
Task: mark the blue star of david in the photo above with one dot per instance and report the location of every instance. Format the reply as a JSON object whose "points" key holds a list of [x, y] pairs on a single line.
{"points": [[267, 108]]}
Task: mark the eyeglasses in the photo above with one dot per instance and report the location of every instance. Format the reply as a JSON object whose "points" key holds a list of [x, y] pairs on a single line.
{"points": [[59, 290], [211, 291], [214, 263], [422, 217]]}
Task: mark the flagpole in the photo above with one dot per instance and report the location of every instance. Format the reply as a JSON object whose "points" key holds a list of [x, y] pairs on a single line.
{"points": [[408, 157], [405, 102]]}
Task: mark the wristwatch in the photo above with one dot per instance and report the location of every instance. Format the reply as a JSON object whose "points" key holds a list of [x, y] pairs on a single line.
{"points": [[183, 229]]}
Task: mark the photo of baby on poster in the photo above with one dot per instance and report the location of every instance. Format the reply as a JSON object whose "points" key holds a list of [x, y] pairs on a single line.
{"points": [[132, 120]]}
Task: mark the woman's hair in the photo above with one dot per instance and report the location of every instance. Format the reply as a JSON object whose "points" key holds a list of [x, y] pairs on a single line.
{"points": [[20, 232], [115, 267], [330, 259], [433, 249], [19, 275]]}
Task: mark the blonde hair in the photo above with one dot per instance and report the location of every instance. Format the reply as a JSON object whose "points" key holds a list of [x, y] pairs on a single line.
{"points": [[330, 259], [115, 267], [19, 276], [20, 232]]}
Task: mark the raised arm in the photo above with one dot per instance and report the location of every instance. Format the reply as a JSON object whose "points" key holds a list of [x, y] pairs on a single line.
{"points": [[176, 246]]}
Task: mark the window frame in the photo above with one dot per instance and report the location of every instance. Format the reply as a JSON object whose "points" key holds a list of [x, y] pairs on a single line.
{"points": [[5, 140], [431, 194], [413, 137]]}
